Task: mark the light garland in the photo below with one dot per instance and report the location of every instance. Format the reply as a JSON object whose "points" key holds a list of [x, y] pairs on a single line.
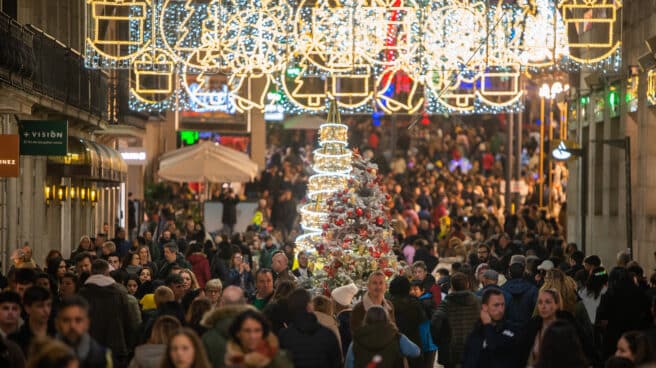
{"points": [[453, 55], [651, 87]]}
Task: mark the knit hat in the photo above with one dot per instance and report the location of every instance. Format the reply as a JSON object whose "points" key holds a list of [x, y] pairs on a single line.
{"points": [[344, 294]]}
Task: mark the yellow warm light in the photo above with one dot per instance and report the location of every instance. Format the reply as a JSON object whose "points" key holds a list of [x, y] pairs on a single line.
{"points": [[651, 87]]}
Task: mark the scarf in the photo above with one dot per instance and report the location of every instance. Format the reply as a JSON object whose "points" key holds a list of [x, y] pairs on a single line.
{"points": [[260, 357]]}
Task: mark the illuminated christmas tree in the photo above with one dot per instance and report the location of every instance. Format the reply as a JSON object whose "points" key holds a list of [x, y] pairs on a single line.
{"points": [[332, 165], [358, 235]]}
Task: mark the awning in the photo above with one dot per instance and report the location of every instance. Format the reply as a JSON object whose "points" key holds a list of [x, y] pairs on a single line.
{"points": [[88, 160]]}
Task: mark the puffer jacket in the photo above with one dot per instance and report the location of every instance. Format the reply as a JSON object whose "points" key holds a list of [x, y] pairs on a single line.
{"points": [[215, 339]]}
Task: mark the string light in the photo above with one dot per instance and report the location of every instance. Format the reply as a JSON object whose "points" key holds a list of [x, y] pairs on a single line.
{"points": [[456, 56]]}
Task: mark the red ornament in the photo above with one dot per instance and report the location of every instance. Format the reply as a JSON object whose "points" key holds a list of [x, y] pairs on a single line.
{"points": [[380, 221], [387, 197], [330, 202], [344, 199], [367, 215], [388, 272], [339, 222], [359, 211], [349, 213], [339, 194], [325, 226]]}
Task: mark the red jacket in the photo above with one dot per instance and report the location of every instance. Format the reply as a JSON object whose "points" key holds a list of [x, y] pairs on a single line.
{"points": [[200, 267]]}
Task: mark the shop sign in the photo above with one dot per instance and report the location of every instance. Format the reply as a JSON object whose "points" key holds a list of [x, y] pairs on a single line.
{"points": [[9, 156], [43, 137], [133, 155]]}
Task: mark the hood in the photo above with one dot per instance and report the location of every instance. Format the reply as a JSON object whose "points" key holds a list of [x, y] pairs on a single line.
{"points": [[196, 258], [221, 315], [376, 336], [517, 286], [306, 323], [100, 280], [462, 297]]}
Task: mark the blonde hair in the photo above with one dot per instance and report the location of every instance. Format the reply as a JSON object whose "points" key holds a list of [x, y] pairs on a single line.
{"points": [[565, 285], [194, 280]]}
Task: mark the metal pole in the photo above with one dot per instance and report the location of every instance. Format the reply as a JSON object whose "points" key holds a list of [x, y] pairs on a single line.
{"points": [[518, 158], [541, 168], [509, 162], [629, 207], [549, 168]]}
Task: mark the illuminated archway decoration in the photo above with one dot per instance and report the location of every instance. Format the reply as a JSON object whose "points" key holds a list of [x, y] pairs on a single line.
{"points": [[581, 15], [153, 78], [116, 31], [409, 99], [542, 36]]}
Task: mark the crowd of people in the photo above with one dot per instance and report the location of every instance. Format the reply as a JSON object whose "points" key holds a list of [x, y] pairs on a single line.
{"points": [[480, 287]]}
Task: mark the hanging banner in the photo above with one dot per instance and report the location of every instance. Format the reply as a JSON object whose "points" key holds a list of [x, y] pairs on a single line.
{"points": [[43, 137], [9, 156]]}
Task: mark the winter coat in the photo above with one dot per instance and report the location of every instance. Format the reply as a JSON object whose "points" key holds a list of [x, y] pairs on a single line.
{"points": [[451, 324], [220, 267], [360, 310], [106, 300], [492, 346], [235, 278], [330, 323], [625, 310], [285, 275], [200, 266], [524, 295], [215, 339], [166, 266], [95, 355], [409, 315], [344, 322], [267, 355], [277, 312], [381, 339], [148, 356], [310, 344]]}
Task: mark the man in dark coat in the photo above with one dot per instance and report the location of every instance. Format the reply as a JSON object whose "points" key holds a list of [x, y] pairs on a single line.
{"points": [[37, 302], [230, 200], [409, 314], [523, 294], [106, 300], [454, 320], [73, 329], [492, 343], [310, 344], [171, 258]]}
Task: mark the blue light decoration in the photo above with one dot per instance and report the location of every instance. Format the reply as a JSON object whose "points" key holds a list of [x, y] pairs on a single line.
{"points": [[375, 118]]}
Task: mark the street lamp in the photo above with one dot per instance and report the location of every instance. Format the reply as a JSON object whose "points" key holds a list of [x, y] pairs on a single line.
{"points": [[549, 92]]}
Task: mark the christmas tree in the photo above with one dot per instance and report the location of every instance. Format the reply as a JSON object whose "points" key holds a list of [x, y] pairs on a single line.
{"points": [[358, 235], [332, 165]]}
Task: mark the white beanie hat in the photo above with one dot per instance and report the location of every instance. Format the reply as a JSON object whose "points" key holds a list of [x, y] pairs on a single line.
{"points": [[344, 294]]}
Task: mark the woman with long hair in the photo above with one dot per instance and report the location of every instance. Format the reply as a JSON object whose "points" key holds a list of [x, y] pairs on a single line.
{"points": [[56, 268], [150, 354], [146, 274], [252, 344], [189, 280], [146, 259], [635, 346], [595, 286], [379, 337], [548, 304], [561, 347], [185, 350]]}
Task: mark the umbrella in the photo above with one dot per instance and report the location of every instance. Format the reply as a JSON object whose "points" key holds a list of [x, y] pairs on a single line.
{"points": [[304, 122], [207, 162]]}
